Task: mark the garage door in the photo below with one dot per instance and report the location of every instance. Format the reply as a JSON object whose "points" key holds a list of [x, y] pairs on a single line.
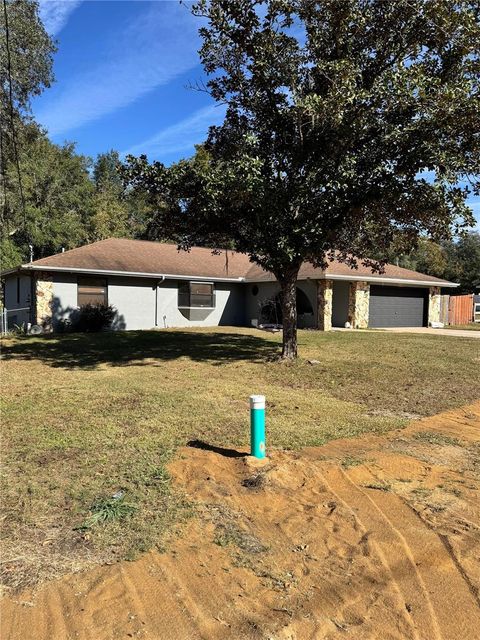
{"points": [[397, 307]]}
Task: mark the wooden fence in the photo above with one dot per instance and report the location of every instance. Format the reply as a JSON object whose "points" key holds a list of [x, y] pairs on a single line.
{"points": [[460, 309]]}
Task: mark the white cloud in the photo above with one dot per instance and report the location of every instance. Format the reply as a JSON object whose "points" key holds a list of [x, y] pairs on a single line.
{"points": [[55, 13], [180, 137], [155, 48]]}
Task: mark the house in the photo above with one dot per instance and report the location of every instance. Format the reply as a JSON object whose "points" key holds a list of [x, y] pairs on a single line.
{"points": [[152, 284]]}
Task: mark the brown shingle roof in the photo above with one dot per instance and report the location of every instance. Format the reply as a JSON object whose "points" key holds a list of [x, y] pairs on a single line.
{"points": [[336, 269], [141, 256]]}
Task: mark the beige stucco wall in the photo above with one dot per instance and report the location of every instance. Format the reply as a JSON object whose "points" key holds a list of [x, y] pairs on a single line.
{"points": [[44, 299], [359, 304], [434, 301]]}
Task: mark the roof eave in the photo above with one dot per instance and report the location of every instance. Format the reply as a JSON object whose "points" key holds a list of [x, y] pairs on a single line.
{"points": [[239, 279], [387, 280], [128, 274], [9, 272], [371, 279]]}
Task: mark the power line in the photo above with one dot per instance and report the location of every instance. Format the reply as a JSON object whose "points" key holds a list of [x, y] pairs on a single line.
{"points": [[12, 113]]}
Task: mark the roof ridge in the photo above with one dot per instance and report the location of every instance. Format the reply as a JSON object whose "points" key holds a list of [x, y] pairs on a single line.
{"points": [[159, 242], [62, 253], [150, 242]]}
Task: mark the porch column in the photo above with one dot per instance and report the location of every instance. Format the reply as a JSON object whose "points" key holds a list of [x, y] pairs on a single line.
{"points": [[324, 304], [359, 304], [44, 300], [434, 301]]}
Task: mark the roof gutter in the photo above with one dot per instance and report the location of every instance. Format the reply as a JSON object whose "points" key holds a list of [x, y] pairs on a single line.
{"points": [[8, 272], [386, 280], [130, 274], [173, 276], [371, 279]]}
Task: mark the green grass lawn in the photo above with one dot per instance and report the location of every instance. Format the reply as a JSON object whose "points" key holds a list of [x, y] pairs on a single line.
{"points": [[85, 416]]}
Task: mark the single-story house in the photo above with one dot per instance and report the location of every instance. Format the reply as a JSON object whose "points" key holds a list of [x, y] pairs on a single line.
{"points": [[153, 284]]}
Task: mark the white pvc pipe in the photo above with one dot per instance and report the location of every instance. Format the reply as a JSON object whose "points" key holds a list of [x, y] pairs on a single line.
{"points": [[257, 402]]}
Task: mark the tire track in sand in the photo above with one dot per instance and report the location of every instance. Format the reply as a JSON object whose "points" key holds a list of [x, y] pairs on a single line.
{"points": [[420, 565]]}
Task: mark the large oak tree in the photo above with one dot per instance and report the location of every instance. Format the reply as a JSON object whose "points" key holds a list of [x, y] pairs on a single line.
{"points": [[335, 112]]}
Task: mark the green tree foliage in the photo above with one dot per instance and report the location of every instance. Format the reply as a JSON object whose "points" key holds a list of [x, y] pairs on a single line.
{"points": [[110, 211], [117, 212], [31, 55], [427, 257], [334, 111], [455, 260], [25, 71], [66, 204], [10, 254], [58, 198], [109, 218], [464, 268], [106, 173]]}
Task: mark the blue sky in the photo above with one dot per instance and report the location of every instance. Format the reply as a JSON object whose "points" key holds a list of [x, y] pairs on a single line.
{"points": [[122, 73]]}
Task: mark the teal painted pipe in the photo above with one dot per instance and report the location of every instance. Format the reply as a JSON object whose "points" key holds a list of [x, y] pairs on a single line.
{"points": [[257, 426]]}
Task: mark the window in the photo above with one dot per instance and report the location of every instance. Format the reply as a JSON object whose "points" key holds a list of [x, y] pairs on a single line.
{"points": [[255, 290], [18, 290], [91, 291], [196, 294], [476, 312]]}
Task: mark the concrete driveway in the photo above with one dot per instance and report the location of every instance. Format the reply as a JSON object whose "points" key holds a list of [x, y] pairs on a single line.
{"points": [[454, 333]]}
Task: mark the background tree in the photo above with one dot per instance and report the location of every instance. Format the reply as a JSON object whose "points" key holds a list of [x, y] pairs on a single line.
{"points": [[110, 212], [334, 110], [25, 71], [464, 268], [106, 173], [456, 260], [57, 192], [117, 212], [427, 257]]}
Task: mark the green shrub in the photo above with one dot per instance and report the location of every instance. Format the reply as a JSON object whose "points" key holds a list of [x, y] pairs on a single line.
{"points": [[92, 318], [64, 325], [20, 329]]}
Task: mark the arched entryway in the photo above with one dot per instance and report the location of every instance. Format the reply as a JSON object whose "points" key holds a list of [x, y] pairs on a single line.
{"points": [[271, 312]]}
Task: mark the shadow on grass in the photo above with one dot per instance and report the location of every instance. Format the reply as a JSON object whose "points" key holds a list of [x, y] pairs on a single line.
{"points": [[87, 351], [222, 451]]}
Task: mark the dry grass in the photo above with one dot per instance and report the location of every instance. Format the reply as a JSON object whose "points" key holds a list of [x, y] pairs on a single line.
{"points": [[87, 416], [471, 326]]}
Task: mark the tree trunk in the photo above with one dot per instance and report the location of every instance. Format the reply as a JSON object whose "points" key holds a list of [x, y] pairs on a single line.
{"points": [[289, 312]]}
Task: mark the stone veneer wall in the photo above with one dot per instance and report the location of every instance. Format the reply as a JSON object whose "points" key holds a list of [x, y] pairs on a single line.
{"points": [[434, 302], [324, 304], [44, 300], [359, 304]]}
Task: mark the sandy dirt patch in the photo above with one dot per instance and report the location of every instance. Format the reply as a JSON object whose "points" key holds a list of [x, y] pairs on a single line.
{"points": [[375, 537]]}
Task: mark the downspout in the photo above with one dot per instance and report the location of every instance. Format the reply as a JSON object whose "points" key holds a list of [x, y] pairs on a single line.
{"points": [[156, 298]]}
